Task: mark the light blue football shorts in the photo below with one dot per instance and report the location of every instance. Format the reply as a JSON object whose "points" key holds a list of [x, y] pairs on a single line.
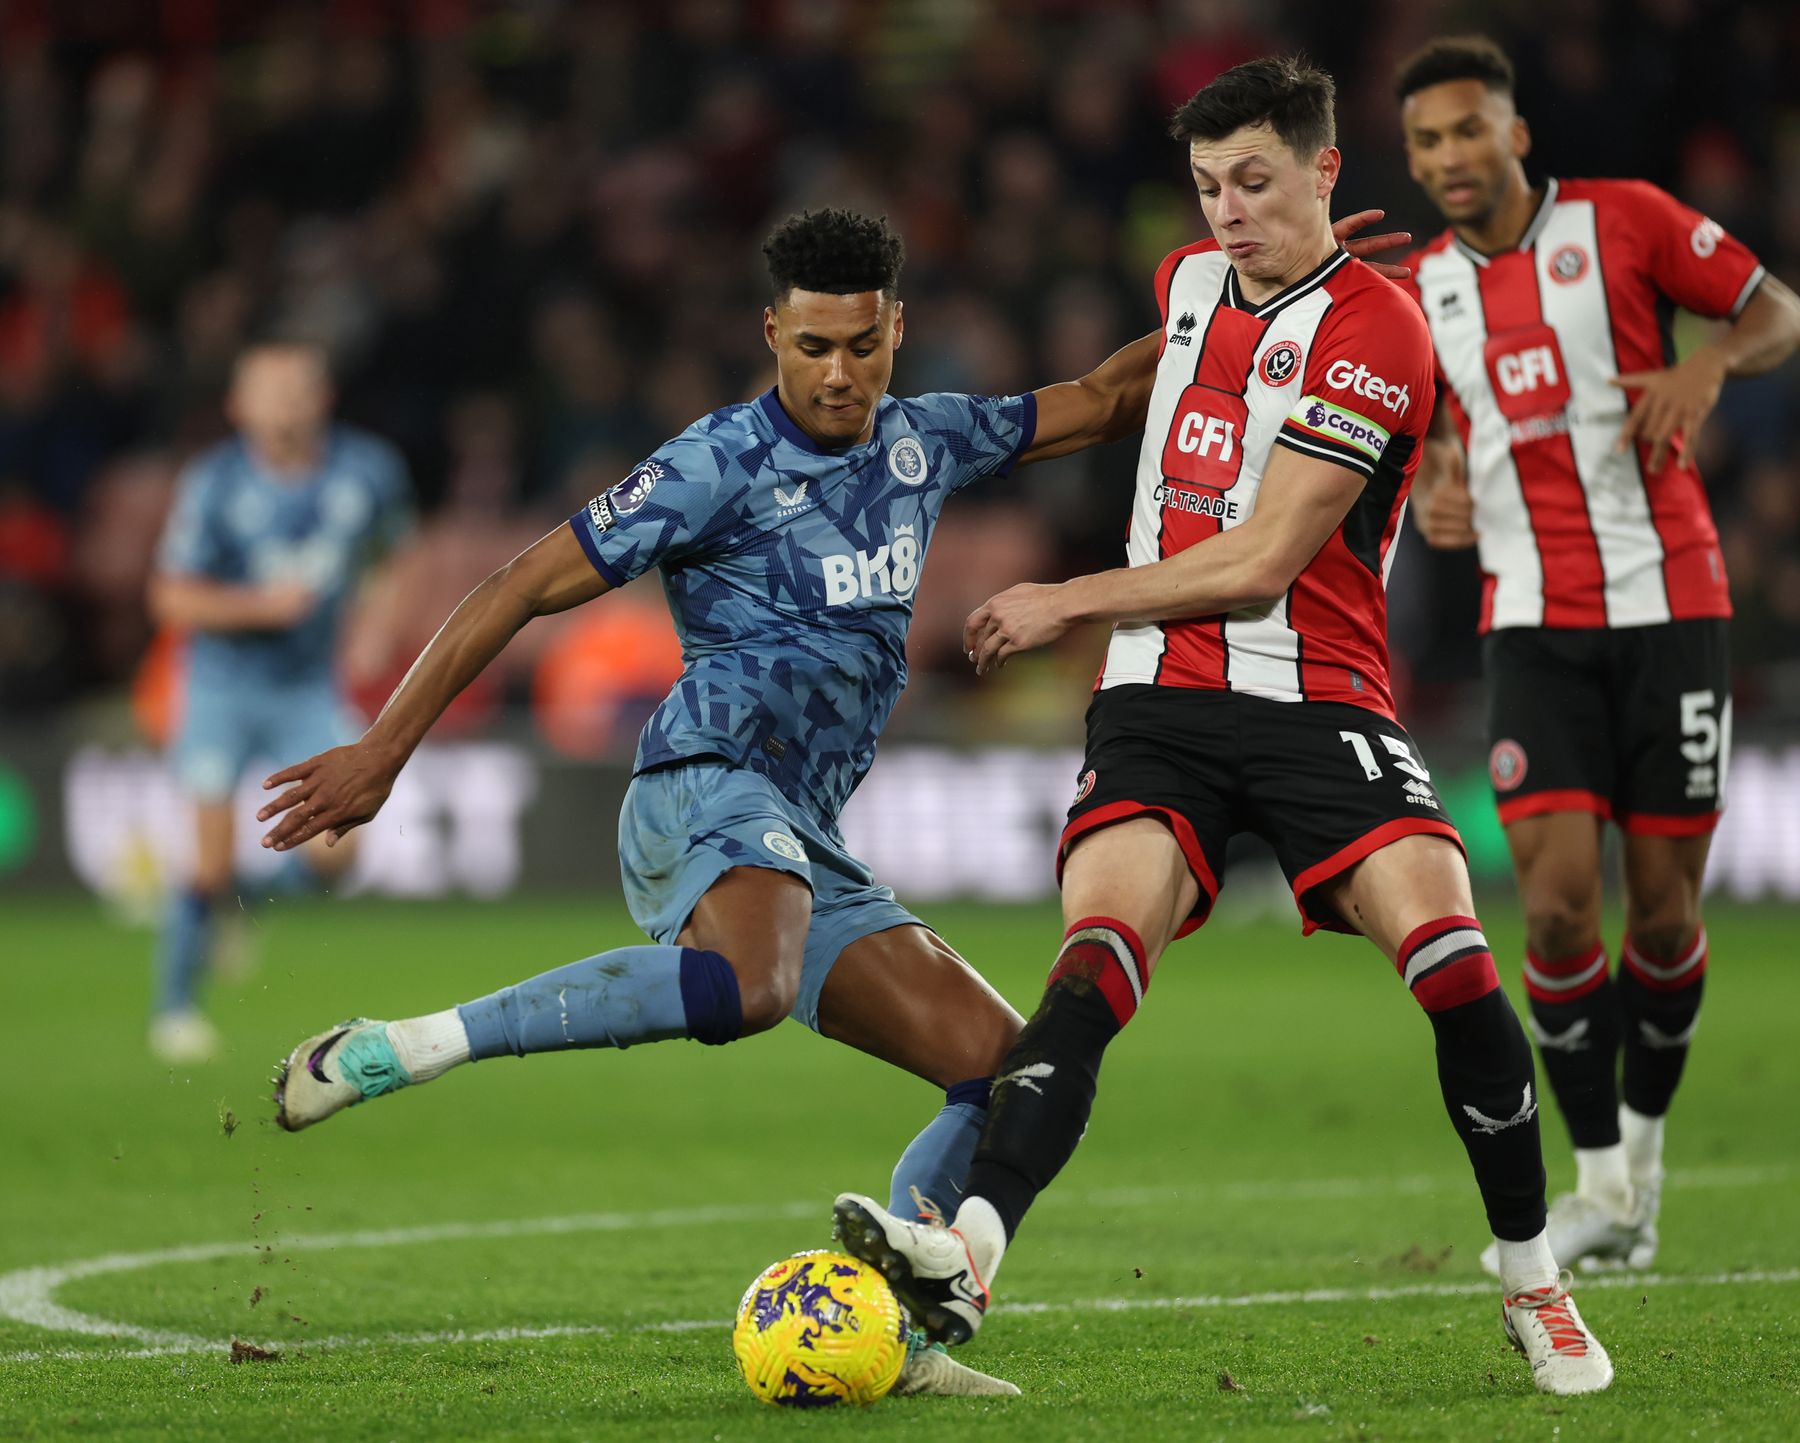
{"points": [[226, 728], [684, 827]]}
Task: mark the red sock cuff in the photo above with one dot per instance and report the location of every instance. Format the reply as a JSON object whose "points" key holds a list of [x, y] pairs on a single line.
{"points": [[1685, 970], [1111, 955], [1447, 963], [1567, 978]]}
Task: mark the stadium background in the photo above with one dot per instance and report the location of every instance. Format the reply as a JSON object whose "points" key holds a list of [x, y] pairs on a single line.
{"points": [[528, 237]]}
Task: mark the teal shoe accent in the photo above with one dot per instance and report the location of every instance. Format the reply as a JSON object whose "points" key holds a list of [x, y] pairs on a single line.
{"points": [[366, 1060]]}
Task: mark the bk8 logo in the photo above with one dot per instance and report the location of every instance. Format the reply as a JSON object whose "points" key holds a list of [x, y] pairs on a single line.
{"points": [[887, 570]]}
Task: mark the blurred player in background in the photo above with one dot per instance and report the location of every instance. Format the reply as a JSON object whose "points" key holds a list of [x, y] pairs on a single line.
{"points": [[1563, 445], [271, 536], [1246, 689]]}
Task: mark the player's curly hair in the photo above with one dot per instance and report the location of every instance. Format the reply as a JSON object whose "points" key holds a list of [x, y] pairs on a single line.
{"points": [[1454, 57], [1292, 97], [838, 252]]}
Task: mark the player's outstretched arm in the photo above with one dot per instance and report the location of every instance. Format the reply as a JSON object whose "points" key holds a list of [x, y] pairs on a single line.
{"points": [[1107, 404], [1301, 502], [1674, 403], [346, 786]]}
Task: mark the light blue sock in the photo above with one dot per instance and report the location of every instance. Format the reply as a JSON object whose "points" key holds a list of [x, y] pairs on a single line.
{"points": [[631, 994], [936, 1162], [182, 949]]}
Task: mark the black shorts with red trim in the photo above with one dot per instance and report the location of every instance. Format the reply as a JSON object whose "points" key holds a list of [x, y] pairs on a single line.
{"points": [[1324, 783], [1630, 723]]}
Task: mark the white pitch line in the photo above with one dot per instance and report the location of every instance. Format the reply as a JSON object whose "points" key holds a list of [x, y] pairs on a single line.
{"points": [[27, 1295], [1307, 1297]]}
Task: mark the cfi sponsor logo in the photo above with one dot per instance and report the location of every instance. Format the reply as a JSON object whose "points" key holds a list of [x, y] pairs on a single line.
{"points": [[1085, 786], [1364, 382], [782, 845], [1280, 363], [1507, 765], [906, 459], [1706, 237], [635, 489], [1568, 265], [887, 570]]}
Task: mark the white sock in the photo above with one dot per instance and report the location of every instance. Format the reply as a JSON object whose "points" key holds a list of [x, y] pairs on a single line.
{"points": [[1643, 1144], [1601, 1177], [430, 1046], [1527, 1264], [985, 1234]]}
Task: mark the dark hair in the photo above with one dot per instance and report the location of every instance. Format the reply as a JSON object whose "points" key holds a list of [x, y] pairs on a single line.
{"points": [[1284, 92], [838, 252], [1454, 57]]}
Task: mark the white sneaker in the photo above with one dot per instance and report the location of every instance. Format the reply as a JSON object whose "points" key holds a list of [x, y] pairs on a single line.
{"points": [[1647, 1198], [183, 1037], [927, 1263], [1587, 1234], [335, 1069], [931, 1371], [1544, 1325]]}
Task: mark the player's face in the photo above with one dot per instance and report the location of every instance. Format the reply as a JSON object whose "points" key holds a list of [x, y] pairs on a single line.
{"points": [[1266, 205], [835, 355], [1464, 143], [280, 398]]}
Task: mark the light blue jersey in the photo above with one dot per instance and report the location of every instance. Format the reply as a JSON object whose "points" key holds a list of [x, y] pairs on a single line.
{"points": [[790, 571], [234, 520]]}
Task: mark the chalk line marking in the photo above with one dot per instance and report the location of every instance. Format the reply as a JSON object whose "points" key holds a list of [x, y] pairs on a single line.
{"points": [[27, 1295]]}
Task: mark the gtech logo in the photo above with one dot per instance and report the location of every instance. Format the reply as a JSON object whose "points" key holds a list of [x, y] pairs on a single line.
{"points": [[1359, 379], [887, 571]]}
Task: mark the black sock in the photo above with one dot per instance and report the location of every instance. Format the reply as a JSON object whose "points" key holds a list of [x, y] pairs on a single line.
{"points": [[1484, 1069], [1044, 1091], [1575, 1019], [1661, 1006]]}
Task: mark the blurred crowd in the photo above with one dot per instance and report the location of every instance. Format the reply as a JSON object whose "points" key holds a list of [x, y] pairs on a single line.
{"points": [[528, 236]]}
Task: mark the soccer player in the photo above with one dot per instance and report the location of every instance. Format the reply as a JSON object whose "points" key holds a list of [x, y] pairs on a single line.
{"points": [[1563, 444], [1246, 689], [271, 536], [790, 532]]}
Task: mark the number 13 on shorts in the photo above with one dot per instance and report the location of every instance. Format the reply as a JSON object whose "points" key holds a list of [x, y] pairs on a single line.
{"points": [[1402, 756]]}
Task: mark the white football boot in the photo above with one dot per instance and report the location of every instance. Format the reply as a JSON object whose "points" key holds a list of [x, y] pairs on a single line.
{"points": [[928, 1264], [1544, 1325], [335, 1069], [1589, 1235], [183, 1036], [930, 1371]]}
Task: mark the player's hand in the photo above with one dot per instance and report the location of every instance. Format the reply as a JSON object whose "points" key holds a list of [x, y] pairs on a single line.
{"points": [[1445, 511], [1672, 406], [1022, 618], [329, 794], [1372, 245], [286, 603]]}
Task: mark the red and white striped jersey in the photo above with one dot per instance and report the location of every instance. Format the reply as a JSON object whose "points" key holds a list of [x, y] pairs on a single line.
{"points": [[1574, 533], [1338, 366]]}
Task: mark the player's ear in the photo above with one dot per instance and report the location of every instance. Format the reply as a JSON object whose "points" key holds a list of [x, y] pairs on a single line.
{"points": [[1330, 162], [1521, 138], [899, 323], [771, 328]]}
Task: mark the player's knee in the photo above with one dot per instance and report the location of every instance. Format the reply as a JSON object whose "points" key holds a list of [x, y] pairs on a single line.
{"points": [[1559, 926], [1663, 934], [767, 993]]}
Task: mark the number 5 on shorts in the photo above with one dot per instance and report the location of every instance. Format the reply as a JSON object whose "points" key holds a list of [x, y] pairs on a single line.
{"points": [[1404, 760]]}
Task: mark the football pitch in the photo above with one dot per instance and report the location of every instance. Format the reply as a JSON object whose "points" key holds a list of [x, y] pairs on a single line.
{"points": [[1270, 1231]]}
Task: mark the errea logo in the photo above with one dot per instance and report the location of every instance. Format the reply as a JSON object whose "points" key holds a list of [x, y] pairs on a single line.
{"points": [[1363, 382], [888, 570]]}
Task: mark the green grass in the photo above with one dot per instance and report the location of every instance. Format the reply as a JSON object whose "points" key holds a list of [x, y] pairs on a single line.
{"points": [[1269, 1123]]}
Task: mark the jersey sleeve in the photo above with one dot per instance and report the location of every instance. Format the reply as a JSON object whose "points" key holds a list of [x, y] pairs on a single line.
{"points": [[978, 435], [655, 515], [1691, 258], [191, 544], [1369, 381]]}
